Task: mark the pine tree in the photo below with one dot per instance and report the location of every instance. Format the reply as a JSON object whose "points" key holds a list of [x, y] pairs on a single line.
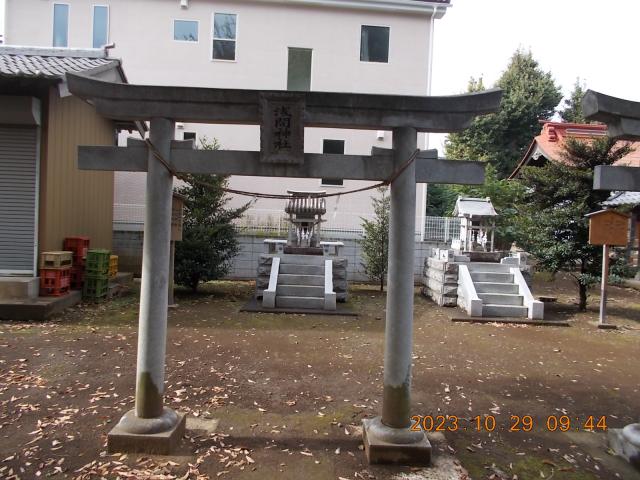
{"points": [[208, 239], [375, 244], [556, 197], [572, 112], [501, 138]]}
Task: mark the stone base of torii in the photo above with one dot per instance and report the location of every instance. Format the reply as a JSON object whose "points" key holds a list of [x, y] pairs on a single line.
{"points": [[153, 428], [623, 120]]}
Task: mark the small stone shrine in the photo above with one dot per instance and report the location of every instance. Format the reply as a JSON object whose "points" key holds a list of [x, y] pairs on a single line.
{"points": [[302, 273], [477, 224], [305, 210]]}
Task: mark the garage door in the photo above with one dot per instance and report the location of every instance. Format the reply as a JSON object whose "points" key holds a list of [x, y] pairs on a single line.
{"points": [[18, 186]]}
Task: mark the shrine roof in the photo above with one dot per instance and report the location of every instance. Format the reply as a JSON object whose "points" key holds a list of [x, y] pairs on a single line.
{"points": [[549, 144], [474, 207], [51, 63], [618, 199]]}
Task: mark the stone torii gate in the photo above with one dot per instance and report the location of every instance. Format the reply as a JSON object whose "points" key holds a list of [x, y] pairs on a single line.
{"points": [[623, 120], [152, 427]]}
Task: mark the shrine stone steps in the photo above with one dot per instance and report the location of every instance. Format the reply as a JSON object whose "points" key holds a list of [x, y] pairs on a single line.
{"points": [[295, 279], [300, 291], [496, 287], [288, 268], [488, 267], [501, 299], [492, 287], [491, 277], [300, 302], [491, 310], [317, 260]]}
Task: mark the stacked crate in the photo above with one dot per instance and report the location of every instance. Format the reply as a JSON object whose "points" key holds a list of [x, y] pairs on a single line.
{"points": [[113, 266], [55, 273], [79, 246], [96, 280]]}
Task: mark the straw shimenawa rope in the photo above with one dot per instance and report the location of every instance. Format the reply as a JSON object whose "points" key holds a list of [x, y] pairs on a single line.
{"points": [[184, 178]]}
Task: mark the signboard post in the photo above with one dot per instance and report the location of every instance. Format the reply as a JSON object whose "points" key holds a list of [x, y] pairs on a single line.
{"points": [[606, 228], [177, 209]]}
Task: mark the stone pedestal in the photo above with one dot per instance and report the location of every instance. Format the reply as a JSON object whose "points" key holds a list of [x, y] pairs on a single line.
{"points": [[155, 436], [625, 442], [400, 446]]}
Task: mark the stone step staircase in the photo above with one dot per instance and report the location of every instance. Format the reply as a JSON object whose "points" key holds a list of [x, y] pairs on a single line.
{"points": [[495, 286], [301, 282]]}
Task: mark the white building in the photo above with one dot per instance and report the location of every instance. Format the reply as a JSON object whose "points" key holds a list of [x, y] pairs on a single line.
{"points": [[365, 46]]}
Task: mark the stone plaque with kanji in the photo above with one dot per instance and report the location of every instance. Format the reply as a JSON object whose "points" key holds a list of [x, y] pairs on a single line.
{"points": [[282, 128]]}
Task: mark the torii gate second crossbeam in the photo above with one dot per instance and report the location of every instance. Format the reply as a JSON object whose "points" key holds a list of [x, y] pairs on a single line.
{"points": [[623, 121], [152, 427]]}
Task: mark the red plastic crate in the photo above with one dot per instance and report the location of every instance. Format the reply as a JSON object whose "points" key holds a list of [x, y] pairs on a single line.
{"points": [[77, 277], [79, 246], [55, 282]]}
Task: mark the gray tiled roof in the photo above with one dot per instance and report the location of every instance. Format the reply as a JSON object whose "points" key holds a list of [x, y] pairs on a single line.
{"points": [[48, 62], [474, 207], [622, 198]]}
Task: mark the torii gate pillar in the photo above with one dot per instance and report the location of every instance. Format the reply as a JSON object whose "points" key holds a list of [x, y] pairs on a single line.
{"points": [[387, 439], [623, 121], [161, 427]]}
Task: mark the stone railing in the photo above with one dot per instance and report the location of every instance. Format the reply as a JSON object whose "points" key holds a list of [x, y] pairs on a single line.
{"points": [[269, 295], [468, 299]]}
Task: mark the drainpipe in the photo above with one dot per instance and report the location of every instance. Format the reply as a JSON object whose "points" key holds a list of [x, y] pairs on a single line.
{"points": [[423, 205]]}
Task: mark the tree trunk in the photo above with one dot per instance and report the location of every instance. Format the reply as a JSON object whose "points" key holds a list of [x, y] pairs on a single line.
{"points": [[582, 288], [195, 281], [382, 283], [582, 306]]}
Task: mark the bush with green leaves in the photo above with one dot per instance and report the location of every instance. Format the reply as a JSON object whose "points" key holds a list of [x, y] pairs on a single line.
{"points": [[375, 244], [209, 241]]}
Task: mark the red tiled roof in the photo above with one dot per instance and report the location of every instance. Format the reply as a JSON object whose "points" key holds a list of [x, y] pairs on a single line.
{"points": [[551, 140]]}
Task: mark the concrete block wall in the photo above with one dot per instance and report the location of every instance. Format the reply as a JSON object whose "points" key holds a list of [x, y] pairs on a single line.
{"points": [[128, 245]]}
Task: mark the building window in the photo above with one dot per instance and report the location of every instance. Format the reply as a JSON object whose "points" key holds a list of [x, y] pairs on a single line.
{"points": [[60, 25], [190, 136], [299, 69], [337, 147], [185, 30], [100, 26], [374, 44], [224, 36]]}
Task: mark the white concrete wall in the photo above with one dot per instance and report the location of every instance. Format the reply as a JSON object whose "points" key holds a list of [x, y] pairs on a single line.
{"points": [[143, 33], [128, 245]]}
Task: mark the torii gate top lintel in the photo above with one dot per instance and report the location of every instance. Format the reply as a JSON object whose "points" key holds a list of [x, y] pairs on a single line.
{"points": [[441, 114], [623, 121]]}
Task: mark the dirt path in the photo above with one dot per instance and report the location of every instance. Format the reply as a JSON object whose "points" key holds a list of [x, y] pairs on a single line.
{"points": [[289, 391]]}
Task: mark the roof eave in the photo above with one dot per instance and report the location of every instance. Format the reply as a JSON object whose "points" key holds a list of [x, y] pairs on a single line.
{"points": [[400, 6]]}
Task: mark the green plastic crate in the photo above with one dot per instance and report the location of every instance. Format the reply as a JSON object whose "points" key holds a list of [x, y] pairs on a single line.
{"points": [[95, 286], [97, 262]]}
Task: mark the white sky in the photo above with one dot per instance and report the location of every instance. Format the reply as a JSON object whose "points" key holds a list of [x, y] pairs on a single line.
{"points": [[592, 39]]}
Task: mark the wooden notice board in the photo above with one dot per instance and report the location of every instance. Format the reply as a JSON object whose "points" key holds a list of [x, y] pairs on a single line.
{"points": [[608, 227], [177, 208]]}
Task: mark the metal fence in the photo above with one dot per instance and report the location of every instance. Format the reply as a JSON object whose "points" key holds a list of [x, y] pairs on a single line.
{"points": [[441, 229], [274, 223]]}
